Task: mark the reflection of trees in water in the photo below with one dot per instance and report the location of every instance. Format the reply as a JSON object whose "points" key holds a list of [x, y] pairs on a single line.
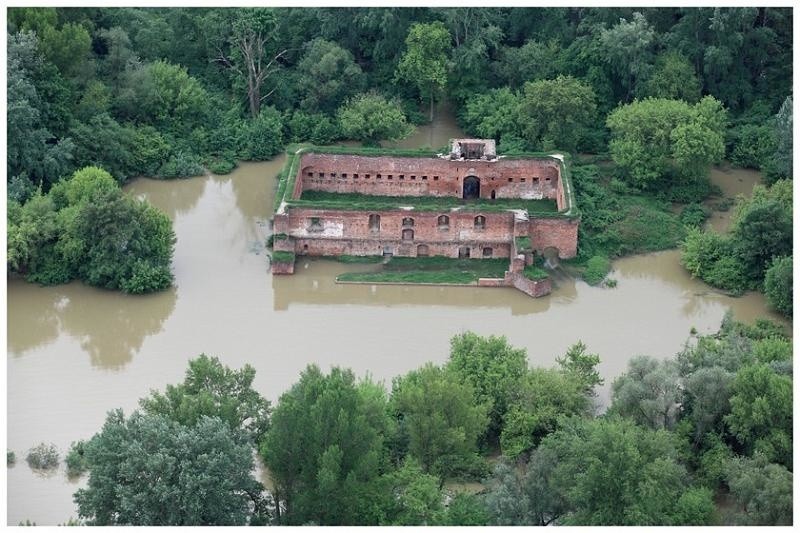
{"points": [[111, 327], [174, 197], [32, 315], [254, 186]]}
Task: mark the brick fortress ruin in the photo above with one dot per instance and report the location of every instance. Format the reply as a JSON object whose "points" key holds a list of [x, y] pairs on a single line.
{"points": [[468, 203]]}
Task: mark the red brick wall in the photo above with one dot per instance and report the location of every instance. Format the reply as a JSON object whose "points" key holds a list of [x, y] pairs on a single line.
{"points": [[336, 224], [560, 233], [427, 176]]}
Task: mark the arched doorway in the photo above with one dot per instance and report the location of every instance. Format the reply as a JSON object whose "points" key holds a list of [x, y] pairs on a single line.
{"points": [[472, 188]]}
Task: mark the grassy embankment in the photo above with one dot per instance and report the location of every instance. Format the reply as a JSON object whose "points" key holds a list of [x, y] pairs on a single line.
{"points": [[366, 202], [431, 270]]}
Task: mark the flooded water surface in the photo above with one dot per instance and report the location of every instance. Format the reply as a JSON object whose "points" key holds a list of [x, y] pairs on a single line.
{"points": [[75, 352]]}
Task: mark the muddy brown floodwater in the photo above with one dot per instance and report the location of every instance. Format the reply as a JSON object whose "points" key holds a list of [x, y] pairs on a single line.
{"points": [[75, 352]]}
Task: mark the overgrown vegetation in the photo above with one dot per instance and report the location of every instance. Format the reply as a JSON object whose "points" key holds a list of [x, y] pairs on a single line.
{"points": [[366, 202], [597, 268], [43, 457], [86, 228], [715, 419], [758, 247]]}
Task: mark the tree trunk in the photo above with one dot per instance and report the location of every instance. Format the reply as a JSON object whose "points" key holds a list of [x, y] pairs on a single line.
{"points": [[431, 104]]}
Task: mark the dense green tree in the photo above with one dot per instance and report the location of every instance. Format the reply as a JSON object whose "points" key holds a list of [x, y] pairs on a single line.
{"points": [[648, 393], [763, 490], [32, 149], [441, 419], [494, 369], [628, 49], [706, 399], [151, 470], [780, 164], [613, 472], [465, 509], [425, 61], [556, 112], [778, 285], [711, 257], [263, 135], [328, 76], [761, 412], [246, 41], [324, 450], [673, 77], [581, 366], [543, 398], [66, 47], [211, 389], [494, 115], [532, 61], [762, 228], [415, 497], [525, 496], [655, 137], [370, 117]]}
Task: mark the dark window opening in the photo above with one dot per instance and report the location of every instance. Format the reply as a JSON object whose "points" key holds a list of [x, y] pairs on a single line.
{"points": [[436, 178], [510, 180], [333, 174], [480, 222], [344, 175], [310, 174], [443, 222], [321, 174], [355, 176], [408, 222], [463, 252], [487, 252], [522, 180], [424, 177], [408, 234], [402, 176], [374, 222], [472, 188], [314, 224], [377, 176], [493, 194], [366, 176]]}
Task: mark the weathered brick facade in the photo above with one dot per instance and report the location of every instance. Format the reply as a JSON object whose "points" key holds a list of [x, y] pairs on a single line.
{"points": [[405, 231]]}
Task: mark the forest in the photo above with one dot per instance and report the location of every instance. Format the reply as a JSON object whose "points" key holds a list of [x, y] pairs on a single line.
{"points": [[660, 94], [701, 438]]}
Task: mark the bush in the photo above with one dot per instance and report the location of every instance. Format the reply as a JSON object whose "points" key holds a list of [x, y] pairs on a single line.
{"points": [[778, 285], [11, 458], [264, 135], [753, 145], [596, 269], [694, 215], [181, 165], [221, 165], [43, 457], [76, 459]]}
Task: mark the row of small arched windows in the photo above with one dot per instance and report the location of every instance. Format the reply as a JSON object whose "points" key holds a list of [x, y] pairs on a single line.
{"points": [[443, 222]]}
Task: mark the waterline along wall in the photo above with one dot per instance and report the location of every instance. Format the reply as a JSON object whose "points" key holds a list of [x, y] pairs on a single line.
{"points": [[467, 202]]}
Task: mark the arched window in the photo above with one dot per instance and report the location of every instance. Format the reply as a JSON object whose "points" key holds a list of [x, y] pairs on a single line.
{"points": [[422, 250], [374, 222], [443, 222], [480, 222], [408, 234], [408, 222], [315, 224]]}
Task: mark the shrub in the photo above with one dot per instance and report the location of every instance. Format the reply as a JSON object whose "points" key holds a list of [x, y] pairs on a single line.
{"points": [[778, 285], [11, 458], [694, 215], [535, 273], [596, 269], [43, 457], [181, 165], [282, 257], [222, 165], [264, 135], [76, 459]]}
